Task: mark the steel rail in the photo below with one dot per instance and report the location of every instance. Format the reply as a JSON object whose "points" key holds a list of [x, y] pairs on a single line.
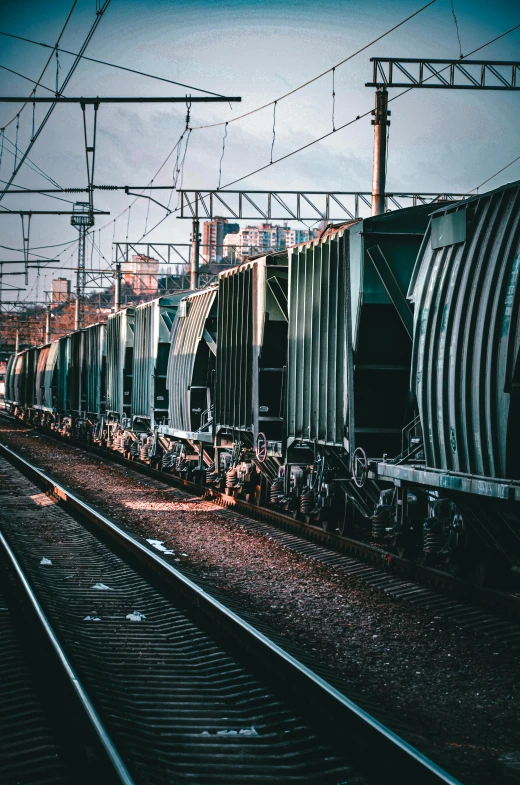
{"points": [[119, 771], [383, 751], [377, 556]]}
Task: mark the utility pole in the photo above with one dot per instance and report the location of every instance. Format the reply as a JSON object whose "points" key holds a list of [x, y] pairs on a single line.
{"points": [[117, 290], [431, 74], [48, 325], [380, 123], [195, 255], [82, 219]]}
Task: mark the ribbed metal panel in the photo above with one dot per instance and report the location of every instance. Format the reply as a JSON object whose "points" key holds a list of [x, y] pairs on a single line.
{"points": [[186, 338], [18, 378], [9, 379], [70, 372], [40, 374], [252, 346], [120, 342], [343, 391], [49, 378], [75, 377], [95, 368], [316, 380], [153, 323], [30, 375], [233, 403], [62, 365], [466, 366]]}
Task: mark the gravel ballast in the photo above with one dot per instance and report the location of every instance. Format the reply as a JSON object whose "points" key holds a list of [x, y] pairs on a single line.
{"points": [[452, 693]]}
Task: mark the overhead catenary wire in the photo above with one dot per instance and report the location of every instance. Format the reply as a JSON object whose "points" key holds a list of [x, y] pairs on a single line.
{"points": [[333, 99], [222, 155], [67, 20], [111, 65], [319, 76], [64, 84], [32, 165], [456, 28], [27, 79], [494, 175], [274, 131], [339, 128], [360, 116]]}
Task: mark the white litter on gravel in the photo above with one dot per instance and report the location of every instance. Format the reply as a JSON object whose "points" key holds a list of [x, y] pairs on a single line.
{"points": [[91, 618], [45, 561], [243, 732], [158, 545], [101, 586], [136, 616]]}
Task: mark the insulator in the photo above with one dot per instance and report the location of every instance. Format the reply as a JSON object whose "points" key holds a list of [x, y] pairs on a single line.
{"points": [[231, 478], [306, 502]]}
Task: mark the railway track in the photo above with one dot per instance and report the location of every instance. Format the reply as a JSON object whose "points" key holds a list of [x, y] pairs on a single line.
{"points": [[420, 584], [182, 689]]}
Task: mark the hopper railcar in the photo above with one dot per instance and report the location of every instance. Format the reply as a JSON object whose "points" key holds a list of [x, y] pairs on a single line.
{"points": [[459, 464], [369, 377]]}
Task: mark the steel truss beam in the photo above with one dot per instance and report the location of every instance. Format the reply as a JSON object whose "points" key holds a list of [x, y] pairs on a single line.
{"points": [[61, 99], [293, 205], [454, 74]]}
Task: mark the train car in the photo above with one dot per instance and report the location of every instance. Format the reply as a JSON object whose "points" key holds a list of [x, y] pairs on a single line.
{"points": [[153, 324], [149, 396], [9, 382], [187, 439], [120, 361], [94, 372], [80, 381], [46, 384], [456, 483], [348, 361], [70, 381], [250, 372]]}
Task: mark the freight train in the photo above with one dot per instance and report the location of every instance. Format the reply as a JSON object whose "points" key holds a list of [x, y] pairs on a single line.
{"points": [[366, 381]]}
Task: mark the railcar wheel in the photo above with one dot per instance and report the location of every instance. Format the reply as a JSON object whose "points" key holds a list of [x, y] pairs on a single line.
{"points": [[359, 467]]}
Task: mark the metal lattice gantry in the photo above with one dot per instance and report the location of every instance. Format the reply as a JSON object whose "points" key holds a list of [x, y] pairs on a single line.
{"points": [[293, 205], [454, 74]]}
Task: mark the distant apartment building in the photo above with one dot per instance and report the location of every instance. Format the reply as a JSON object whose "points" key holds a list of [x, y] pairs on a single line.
{"points": [[142, 273], [60, 290], [213, 234], [265, 238]]}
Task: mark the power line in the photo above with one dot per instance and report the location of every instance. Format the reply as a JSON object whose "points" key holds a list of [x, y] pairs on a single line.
{"points": [[47, 63], [271, 103], [496, 173], [315, 78], [456, 28], [32, 165], [359, 117], [111, 65], [33, 81], [63, 86]]}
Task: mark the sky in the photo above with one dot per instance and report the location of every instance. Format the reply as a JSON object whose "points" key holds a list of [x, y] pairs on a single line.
{"points": [[438, 140]]}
